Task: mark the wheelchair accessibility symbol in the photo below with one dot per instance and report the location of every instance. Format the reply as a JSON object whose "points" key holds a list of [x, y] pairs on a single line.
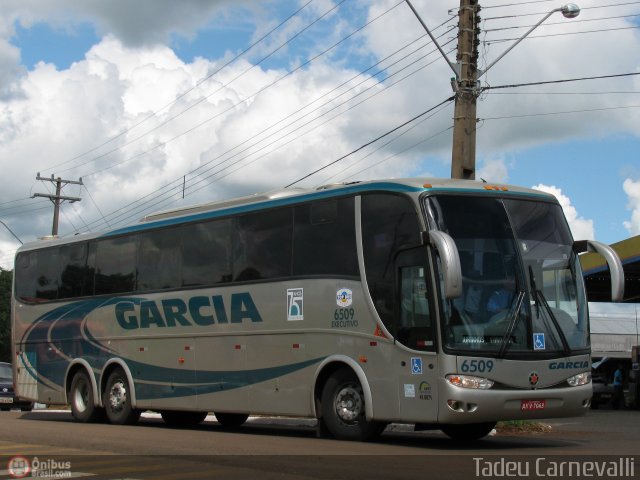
{"points": [[538, 341], [416, 366]]}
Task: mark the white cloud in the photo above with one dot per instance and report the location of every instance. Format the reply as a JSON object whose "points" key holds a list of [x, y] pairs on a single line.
{"points": [[632, 189], [493, 171], [581, 228], [66, 112]]}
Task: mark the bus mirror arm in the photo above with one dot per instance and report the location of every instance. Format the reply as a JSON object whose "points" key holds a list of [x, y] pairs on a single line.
{"points": [[613, 262], [451, 272]]}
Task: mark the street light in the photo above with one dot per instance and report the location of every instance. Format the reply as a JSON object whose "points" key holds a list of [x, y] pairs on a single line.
{"points": [[570, 10]]}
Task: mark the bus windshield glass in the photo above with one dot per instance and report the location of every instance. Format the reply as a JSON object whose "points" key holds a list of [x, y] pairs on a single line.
{"points": [[522, 286]]}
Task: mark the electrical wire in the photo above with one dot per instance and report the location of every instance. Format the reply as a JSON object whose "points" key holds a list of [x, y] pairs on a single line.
{"points": [[501, 40], [544, 13], [565, 112], [489, 30], [389, 132], [253, 96], [566, 80], [173, 186]]}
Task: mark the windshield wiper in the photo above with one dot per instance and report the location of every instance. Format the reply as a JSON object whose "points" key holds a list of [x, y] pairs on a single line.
{"points": [[538, 298], [513, 322]]}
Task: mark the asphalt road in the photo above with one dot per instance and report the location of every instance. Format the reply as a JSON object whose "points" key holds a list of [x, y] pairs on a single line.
{"points": [[288, 448]]}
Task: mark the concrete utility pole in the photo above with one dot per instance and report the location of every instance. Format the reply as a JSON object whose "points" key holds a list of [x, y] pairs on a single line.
{"points": [[465, 83], [463, 153], [58, 198]]}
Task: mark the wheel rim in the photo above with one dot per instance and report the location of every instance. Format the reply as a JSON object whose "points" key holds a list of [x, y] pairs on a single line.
{"points": [[81, 397], [118, 396], [348, 404]]}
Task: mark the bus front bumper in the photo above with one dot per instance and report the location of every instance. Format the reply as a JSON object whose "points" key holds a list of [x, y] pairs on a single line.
{"points": [[465, 405]]}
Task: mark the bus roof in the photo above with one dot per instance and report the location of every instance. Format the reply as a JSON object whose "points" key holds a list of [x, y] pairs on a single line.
{"points": [[292, 196]]}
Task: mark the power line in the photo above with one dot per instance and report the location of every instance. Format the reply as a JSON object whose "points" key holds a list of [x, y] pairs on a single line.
{"points": [[168, 188], [566, 80], [484, 7], [165, 202], [544, 13], [500, 40], [413, 127], [544, 114], [372, 141], [488, 30], [421, 142], [250, 97]]}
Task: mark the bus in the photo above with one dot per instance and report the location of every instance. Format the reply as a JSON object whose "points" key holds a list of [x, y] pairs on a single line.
{"points": [[446, 304]]}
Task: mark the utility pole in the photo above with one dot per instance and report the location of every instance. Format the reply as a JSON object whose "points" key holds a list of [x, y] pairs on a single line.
{"points": [[463, 152], [58, 198], [465, 82]]}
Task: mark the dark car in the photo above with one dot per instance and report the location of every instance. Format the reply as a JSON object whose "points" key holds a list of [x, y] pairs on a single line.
{"points": [[8, 399]]}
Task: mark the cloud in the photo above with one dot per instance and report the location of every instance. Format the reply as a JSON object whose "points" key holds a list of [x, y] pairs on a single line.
{"points": [[237, 140], [581, 228], [493, 171], [632, 189]]}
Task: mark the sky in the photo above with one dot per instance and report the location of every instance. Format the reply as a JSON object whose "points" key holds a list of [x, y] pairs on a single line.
{"points": [[157, 104]]}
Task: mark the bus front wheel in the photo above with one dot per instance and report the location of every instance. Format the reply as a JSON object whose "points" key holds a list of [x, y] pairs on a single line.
{"points": [[468, 432], [83, 407], [117, 400], [343, 408]]}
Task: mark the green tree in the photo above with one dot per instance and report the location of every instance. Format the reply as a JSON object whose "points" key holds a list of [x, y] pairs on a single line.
{"points": [[6, 279]]}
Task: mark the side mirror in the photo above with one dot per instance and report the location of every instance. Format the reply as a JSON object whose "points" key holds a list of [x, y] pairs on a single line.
{"points": [[452, 274], [613, 261]]}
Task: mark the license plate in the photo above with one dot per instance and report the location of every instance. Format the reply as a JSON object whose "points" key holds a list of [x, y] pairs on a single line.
{"points": [[6, 400], [527, 405]]}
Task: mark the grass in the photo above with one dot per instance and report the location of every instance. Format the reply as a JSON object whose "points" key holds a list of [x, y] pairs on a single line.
{"points": [[522, 426]]}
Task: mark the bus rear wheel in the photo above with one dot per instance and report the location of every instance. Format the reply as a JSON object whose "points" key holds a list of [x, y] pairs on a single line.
{"points": [[469, 432], [116, 399], [83, 407], [343, 408], [231, 420], [175, 418]]}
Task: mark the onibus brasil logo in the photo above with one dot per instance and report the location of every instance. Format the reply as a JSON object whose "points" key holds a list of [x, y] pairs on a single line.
{"points": [[20, 466]]}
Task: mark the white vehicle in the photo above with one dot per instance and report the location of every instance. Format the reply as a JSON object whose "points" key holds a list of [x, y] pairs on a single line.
{"points": [[440, 303]]}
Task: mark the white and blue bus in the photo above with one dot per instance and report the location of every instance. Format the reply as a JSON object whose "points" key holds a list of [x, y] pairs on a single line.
{"points": [[440, 303]]}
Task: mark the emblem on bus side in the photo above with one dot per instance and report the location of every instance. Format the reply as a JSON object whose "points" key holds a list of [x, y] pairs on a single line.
{"points": [[344, 297], [295, 304]]}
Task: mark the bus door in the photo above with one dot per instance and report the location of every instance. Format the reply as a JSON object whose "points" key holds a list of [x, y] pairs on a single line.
{"points": [[415, 329]]}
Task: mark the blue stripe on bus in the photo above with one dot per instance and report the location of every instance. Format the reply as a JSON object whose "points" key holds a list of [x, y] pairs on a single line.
{"points": [[62, 328]]}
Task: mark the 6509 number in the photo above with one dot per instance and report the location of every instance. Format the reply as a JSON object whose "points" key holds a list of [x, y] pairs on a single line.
{"points": [[473, 366]]}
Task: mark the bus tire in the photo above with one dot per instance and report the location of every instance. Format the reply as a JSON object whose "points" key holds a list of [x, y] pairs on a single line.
{"points": [[343, 408], [116, 399], [83, 407], [468, 432], [231, 420], [175, 418]]}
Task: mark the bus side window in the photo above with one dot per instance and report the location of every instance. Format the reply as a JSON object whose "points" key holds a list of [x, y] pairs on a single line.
{"points": [[389, 222], [262, 245], [116, 265], [324, 238], [73, 268]]}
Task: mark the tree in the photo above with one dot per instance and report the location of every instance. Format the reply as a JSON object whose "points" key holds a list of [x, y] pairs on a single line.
{"points": [[6, 279]]}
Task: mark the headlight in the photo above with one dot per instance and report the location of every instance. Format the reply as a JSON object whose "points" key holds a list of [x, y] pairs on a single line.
{"points": [[579, 379], [466, 381]]}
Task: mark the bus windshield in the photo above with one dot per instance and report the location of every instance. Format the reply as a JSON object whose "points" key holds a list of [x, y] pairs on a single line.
{"points": [[522, 286]]}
